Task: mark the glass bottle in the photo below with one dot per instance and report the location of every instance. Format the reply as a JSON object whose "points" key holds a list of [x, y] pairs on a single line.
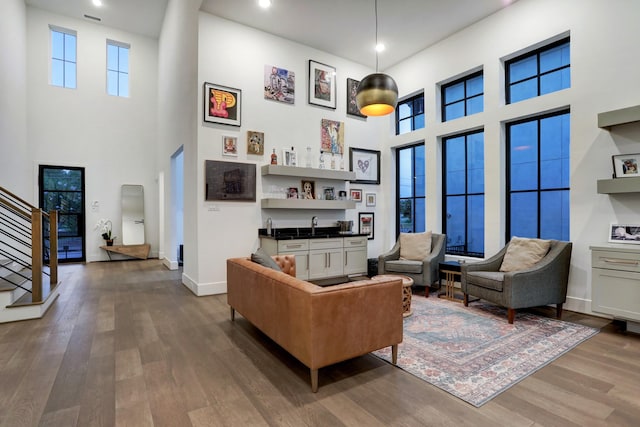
{"points": [[274, 157], [293, 157], [333, 162], [308, 159], [321, 161]]}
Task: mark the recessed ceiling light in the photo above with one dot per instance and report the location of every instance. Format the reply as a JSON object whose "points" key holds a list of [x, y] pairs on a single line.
{"points": [[264, 3], [380, 47], [97, 3]]}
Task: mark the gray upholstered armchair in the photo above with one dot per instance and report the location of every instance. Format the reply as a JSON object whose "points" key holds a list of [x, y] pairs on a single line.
{"points": [[541, 284], [424, 272]]}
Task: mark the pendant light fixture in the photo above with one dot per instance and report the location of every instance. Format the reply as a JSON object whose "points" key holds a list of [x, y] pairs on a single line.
{"points": [[377, 93]]}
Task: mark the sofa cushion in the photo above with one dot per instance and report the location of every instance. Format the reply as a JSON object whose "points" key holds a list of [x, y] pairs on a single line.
{"points": [[486, 279], [404, 266], [261, 257], [524, 253], [415, 246]]}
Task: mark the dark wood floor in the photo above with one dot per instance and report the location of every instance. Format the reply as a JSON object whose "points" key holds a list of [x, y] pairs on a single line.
{"points": [[126, 344]]}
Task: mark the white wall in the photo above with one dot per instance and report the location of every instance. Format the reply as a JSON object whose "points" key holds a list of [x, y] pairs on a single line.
{"points": [[604, 74], [13, 106], [113, 138], [233, 55]]}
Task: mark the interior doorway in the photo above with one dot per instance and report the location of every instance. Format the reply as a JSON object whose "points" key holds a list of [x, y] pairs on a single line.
{"points": [[177, 165], [61, 188]]}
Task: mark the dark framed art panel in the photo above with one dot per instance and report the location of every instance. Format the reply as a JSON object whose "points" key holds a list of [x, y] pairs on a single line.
{"points": [[352, 105], [366, 165], [230, 181], [366, 224], [222, 104]]}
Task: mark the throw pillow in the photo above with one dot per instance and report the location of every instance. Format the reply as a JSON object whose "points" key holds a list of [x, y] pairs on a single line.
{"points": [[524, 253], [262, 258], [415, 246]]}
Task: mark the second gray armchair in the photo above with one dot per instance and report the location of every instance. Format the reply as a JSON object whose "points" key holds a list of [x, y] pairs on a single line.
{"points": [[424, 271]]}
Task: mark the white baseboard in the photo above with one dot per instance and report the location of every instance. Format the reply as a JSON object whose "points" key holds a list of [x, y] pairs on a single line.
{"points": [[171, 265], [202, 289]]}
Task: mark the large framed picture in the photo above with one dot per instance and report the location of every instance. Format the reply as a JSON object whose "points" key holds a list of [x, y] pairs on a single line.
{"points": [[626, 165], [352, 106], [366, 224], [366, 165], [222, 104], [624, 233], [230, 181], [322, 84]]}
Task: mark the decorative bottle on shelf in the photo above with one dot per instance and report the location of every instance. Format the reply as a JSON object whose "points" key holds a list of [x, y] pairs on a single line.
{"points": [[293, 157], [321, 161], [333, 162], [274, 157], [308, 159], [341, 162]]}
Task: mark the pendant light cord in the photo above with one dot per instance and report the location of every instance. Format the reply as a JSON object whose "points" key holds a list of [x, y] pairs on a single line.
{"points": [[376, 47]]}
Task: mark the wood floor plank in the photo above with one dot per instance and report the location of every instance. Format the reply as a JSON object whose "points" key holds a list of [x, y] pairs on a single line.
{"points": [[126, 344]]}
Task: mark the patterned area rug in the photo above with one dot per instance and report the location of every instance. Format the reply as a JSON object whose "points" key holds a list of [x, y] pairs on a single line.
{"points": [[472, 352]]}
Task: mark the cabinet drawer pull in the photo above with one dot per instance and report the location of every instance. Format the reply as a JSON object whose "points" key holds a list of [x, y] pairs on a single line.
{"points": [[357, 242], [620, 261], [293, 246]]}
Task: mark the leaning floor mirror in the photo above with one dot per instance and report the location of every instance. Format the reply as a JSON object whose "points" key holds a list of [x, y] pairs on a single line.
{"points": [[132, 215]]}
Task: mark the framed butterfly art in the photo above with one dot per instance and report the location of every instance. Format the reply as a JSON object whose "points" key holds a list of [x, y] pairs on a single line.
{"points": [[366, 165]]}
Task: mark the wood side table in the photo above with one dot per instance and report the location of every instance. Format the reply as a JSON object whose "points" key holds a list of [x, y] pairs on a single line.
{"points": [[407, 283], [451, 270]]}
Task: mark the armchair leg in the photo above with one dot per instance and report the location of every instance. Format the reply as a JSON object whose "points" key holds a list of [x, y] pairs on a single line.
{"points": [[314, 380], [394, 354], [465, 300], [511, 315], [232, 312], [559, 311]]}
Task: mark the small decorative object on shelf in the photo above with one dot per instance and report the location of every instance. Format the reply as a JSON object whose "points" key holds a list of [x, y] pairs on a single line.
{"points": [[333, 162], [308, 159], [294, 160], [274, 157], [321, 161], [105, 227]]}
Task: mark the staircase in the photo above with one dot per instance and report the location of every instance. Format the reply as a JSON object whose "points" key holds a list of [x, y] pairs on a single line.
{"points": [[28, 259]]}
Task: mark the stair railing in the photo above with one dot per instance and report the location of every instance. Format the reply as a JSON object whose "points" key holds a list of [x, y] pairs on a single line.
{"points": [[22, 241]]}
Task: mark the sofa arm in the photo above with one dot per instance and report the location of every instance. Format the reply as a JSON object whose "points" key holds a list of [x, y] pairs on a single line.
{"points": [[392, 254]]}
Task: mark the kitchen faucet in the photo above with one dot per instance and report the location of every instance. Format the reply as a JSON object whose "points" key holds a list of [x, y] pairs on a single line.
{"points": [[314, 223]]}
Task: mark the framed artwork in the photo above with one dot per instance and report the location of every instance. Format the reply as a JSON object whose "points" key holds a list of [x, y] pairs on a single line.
{"points": [[371, 199], [624, 233], [366, 165], [279, 84], [366, 224], [255, 143], [329, 193], [356, 195], [289, 157], [322, 84], [292, 193], [222, 104], [230, 146], [352, 106], [230, 181], [625, 165], [308, 189], [331, 136]]}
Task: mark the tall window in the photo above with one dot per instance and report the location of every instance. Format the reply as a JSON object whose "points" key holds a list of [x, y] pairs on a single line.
{"points": [[464, 194], [542, 71], [538, 177], [463, 97], [117, 69], [63, 57], [410, 114], [410, 188]]}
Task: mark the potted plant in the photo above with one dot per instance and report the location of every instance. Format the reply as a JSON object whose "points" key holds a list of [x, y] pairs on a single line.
{"points": [[105, 226]]}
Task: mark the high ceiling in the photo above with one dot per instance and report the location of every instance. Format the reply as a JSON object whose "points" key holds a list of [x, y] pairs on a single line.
{"points": [[345, 28]]}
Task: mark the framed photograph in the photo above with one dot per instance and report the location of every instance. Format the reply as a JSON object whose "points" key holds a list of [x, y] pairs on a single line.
{"points": [[371, 199], [356, 195], [230, 181], [230, 146], [331, 136], [292, 193], [322, 84], [366, 165], [255, 143], [289, 157], [308, 189], [624, 233], [222, 104], [329, 193], [352, 106], [626, 165], [366, 224], [279, 84]]}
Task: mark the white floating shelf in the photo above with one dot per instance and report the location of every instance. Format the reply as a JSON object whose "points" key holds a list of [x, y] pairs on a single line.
{"points": [[619, 185], [619, 117], [307, 204], [328, 174]]}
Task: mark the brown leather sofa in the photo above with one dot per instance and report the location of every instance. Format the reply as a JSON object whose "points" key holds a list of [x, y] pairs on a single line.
{"points": [[319, 326]]}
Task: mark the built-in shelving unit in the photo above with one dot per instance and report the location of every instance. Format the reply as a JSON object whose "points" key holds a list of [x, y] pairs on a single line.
{"points": [[311, 173], [619, 185], [619, 117]]}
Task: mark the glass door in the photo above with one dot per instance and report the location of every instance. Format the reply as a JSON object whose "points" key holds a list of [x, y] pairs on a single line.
{"points": [[62, 189]]}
